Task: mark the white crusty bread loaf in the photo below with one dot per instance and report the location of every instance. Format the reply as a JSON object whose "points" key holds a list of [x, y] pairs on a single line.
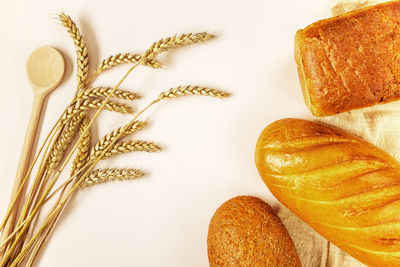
{"points": [[345, 188]]}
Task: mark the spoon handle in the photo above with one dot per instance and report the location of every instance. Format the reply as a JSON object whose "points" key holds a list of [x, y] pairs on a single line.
{"points": [[24, 161]]}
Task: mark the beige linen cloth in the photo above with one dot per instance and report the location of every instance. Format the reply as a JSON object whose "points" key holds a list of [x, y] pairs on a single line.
{"points": [[379, 125]]}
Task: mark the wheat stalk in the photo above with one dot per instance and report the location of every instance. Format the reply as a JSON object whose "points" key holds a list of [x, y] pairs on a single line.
{"points": [[83, 148], [105, 91], [124, 147], [95, 103], [168, 43], [106, 175], [191, 90], [14, 256], [118, 59], [59, 204], [78, 162], [52, 160], [82, 57]]}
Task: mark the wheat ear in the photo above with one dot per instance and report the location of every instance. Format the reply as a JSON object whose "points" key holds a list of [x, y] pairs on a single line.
{"points": [[118, 59], [124, 147], [105, 91], [83, 148], [168, 43], [191, 90], [70, 112], [95, 103], [107, 175], [82, 57], [63, 141], [117, 134]]}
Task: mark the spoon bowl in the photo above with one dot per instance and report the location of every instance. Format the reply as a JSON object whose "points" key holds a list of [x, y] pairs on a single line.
{"points": [[45, 69]]}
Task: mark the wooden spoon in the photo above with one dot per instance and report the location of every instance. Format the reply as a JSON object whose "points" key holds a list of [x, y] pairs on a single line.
{"points": [[45, 69]]}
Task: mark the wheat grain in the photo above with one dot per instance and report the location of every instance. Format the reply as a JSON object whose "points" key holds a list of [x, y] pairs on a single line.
{"points": [[168, 43], [105, 91], [118, 59], [70, 112], [191, 90], [82, 57], [63, 141], [95, 103], [83, 147], [107, 175], [125, 147]]}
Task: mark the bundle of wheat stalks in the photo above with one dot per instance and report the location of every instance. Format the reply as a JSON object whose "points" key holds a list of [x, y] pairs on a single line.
{"points": [[21, 239]]}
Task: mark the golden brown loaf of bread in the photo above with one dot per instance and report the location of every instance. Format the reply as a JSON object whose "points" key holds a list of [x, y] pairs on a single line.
{"points": [[350, 61], [345, 188], [244, 231]]}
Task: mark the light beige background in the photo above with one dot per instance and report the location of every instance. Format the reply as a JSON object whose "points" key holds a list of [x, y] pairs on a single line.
{"points": [[162, 219]]}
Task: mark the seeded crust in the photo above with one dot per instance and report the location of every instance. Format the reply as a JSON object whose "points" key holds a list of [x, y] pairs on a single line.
{"points": [[244, 231], [350, 61]]}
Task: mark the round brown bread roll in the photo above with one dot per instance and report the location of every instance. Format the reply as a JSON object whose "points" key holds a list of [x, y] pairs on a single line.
{"points": [[244, 231]]}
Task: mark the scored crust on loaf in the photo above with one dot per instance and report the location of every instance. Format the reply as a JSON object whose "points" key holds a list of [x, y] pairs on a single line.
{"points": [[350, 61]]}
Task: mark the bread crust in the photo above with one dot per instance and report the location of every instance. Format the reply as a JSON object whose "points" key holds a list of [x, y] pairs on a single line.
{"points": [[245, 231], [345, 188], [350, 61]]}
